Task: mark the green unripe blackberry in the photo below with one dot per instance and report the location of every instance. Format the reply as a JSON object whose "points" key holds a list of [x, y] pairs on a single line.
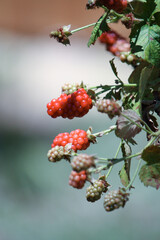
{"points": [[128, 58], [57, 153], [115, 199], [108, 106], [94, 191], [68, 88], [82, 162]]}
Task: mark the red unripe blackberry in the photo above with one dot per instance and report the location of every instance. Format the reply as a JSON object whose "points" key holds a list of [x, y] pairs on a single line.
{"points": [[121, 45], [115, 199], [69, 106], [60, 140], [108, 106], [94, 191], [78, 138], [77, 180], [108, 37], [82, 162], [116, 5], [115, 43]]}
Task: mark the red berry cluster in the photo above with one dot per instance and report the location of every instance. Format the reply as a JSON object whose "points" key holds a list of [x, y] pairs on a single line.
{"points": [[114, 42], [116, 5], [77, 138], [69, 106], [77, 179]]}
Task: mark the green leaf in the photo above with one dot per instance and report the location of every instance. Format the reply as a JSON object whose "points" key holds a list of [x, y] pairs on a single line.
{"points": [[157, 8], [100, 27], [150, 175], [145, 42], [124, 176], [145, 75], [135, 75], [151, 154], [143, 9]]}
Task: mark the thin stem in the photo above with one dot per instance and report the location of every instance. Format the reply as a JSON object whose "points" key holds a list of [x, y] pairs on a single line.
{"points": [[114, 85], [115, 161], [104, 90], [116, 14], [105, 132], [137, 124], [99, 169], [110, 169], [153, 139], [135, 174], [81, 28], [130, 85], [146, 125]]}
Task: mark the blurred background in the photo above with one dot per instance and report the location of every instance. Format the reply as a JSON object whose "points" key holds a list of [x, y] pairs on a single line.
{"points": [[36, 200]]}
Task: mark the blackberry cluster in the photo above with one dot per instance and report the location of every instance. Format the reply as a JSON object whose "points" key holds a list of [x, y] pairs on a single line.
{"points": [[115, 199], [78, 138], [109, 37], [116, 5], [108, 106], [77, 180], [69, 106], [121, 45], [118, 46], [82, 162], [94, 191]]}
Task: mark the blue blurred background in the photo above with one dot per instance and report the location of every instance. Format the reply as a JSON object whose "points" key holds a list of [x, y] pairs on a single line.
{"points": [[36, 201]]}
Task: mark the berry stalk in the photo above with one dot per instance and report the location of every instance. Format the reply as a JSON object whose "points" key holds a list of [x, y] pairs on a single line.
{"points": [[81, 28], [110, 169], [134, 176]]}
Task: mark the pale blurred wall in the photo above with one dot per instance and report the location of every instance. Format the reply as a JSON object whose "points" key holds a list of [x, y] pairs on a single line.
{"points": [[34, 67], [39, 16]]}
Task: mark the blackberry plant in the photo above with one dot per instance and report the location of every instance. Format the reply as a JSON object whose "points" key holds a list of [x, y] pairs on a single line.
{"points": [[135, 104]]}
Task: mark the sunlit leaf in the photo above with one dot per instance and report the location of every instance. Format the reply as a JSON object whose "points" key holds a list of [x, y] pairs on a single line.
{"points": [[100, 27]]}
